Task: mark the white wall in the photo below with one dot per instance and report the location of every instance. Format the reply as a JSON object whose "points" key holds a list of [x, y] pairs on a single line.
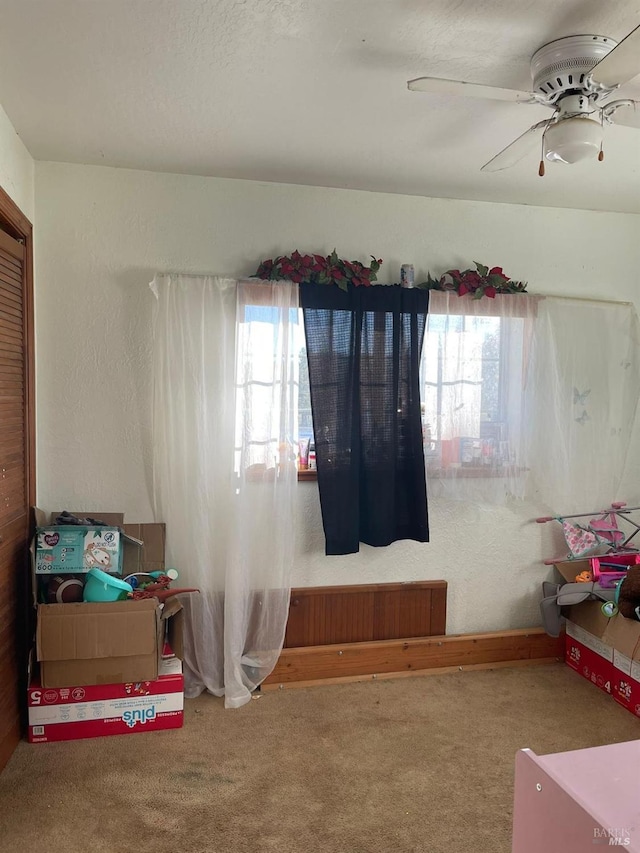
{"points": [[16, 168], [104, 232]]}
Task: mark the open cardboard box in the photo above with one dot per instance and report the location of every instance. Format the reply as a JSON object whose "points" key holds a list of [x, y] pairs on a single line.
{"points": [[105, 643], [605, 650], [143, 544]]}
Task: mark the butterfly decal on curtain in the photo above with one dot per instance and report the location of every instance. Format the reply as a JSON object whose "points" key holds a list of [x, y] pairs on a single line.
{"points": [[580, 397]]}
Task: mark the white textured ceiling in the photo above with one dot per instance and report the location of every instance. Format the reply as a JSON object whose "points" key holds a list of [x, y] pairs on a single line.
{"points": [[304, 91]]}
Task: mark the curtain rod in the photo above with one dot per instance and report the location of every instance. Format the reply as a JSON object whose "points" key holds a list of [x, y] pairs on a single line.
{"points": [[525, 293], [584, 299]]}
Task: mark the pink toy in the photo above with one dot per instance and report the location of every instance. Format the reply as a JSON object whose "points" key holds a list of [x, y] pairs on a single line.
{"points": [[602, 533], [612, 568]]}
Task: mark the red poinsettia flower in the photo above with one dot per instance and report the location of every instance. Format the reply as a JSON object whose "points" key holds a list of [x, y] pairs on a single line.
{"points": [[265, 268], [472, 279], [483, 280], [315, 269]]}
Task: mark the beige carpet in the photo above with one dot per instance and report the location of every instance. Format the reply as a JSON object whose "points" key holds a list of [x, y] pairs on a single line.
{"points": [[416, 765]]}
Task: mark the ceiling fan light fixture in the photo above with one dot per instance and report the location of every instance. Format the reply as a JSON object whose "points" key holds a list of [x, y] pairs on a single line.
{"points": [[573, 139]]}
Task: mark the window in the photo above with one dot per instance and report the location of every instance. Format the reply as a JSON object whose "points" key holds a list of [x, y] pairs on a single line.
{"points": [[472, 392], [267, 345], [472, 380], [475, 361]]}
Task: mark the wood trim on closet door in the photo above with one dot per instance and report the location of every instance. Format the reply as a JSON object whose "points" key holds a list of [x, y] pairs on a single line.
{"points": [[17, 466]]}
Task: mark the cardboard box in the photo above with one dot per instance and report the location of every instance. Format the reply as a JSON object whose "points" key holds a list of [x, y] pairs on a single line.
{"points": [[570, 569], [105, 643], [143, 544], [149, 557], [142, 547], [85, 712], [605, 650], [587, 655], [148, 540], [71, 549], [625, 637]]}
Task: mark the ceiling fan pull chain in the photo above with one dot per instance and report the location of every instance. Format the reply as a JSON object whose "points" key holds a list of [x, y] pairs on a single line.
{"points": [[541, 166], [601, 152]]}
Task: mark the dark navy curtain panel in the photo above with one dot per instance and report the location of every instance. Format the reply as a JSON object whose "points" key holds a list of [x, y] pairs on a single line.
{"points": [[363, 350]]}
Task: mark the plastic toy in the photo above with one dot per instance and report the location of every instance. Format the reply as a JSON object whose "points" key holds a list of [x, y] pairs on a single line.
{"points": [[610, 570], [172, 574], [584, 577], [63, 589], [103, 587], [601, 533]]}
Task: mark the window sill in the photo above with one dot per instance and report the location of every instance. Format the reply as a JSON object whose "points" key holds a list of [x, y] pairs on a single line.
{"points": [[440, 473], [472, 473], [307, 474]]}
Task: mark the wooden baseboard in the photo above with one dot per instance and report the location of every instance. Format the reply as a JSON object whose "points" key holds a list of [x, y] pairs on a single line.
{"points": [[460, 651], [414, 673]]}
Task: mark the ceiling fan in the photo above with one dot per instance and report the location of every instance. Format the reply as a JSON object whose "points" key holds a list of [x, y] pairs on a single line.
{"points": [[575, 76]]}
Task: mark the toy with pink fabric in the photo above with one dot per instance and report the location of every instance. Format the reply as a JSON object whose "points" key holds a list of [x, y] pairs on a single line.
{"points": [[608, 531]]}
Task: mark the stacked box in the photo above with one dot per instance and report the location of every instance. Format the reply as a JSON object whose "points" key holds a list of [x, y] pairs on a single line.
{"points": [[589, 656], [71, 549], [72, 713], [103, 668], [603, 649]]}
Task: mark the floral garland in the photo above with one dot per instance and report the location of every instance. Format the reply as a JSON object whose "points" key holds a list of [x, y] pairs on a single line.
{"points": [[480, 282], [316, 269]]}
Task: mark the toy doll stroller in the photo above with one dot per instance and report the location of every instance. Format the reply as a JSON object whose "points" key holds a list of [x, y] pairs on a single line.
{"points": [[602, 534], [604, 543]]}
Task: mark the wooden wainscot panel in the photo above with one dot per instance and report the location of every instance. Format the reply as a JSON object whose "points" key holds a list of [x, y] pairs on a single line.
{"points": [[326, 615]]}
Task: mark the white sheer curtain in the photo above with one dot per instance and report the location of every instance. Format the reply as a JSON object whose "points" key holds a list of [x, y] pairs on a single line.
{"points": [[529, 397], [582, 394], [224, 441], [475, 359]]}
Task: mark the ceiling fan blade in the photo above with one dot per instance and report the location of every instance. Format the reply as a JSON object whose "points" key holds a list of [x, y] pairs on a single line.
{"points": [[440, 86], [622, 64], [628, 116], [519, 148]]}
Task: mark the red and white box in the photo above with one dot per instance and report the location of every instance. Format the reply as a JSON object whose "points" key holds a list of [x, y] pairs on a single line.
{"points": [[71, 713], [589, 656], [626, 682]]}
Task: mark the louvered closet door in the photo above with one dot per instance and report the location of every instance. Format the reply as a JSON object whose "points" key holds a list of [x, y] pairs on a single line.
{"points": [[13, 482]]}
